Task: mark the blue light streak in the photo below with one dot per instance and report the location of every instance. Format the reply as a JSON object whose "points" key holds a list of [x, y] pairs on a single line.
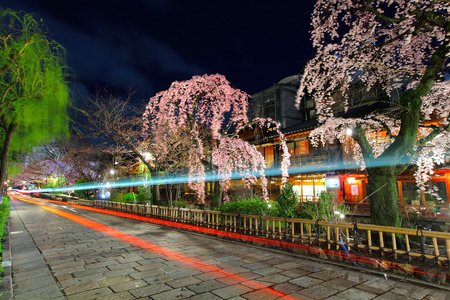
{"points": [[157, 179]]}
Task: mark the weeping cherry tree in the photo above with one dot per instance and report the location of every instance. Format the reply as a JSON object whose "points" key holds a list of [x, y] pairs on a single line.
{"points": [[214, 113], [395, 45]]}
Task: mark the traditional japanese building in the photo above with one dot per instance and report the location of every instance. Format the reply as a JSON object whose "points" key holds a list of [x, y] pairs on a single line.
{"points": [[312, 169]]}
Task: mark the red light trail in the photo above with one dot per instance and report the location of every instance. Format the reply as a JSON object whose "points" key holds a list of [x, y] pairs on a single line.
{"points": [[238, 236], [152, 247]]}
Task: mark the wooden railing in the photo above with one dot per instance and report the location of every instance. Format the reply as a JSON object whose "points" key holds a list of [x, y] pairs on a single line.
{"points": [[389, 243], [427, 212], [306, 159]]}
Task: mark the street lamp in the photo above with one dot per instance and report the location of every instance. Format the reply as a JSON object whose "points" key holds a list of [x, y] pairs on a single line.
{"points": [[148, 156], [349, 132]]}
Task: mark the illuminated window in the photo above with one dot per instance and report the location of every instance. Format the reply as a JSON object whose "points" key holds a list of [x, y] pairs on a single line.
{"points": [[301, 147], [268, 154], [291, 148]]}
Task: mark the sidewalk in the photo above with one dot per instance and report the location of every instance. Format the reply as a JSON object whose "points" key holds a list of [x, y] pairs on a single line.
{"points": [[55, 258], [32, 278]]}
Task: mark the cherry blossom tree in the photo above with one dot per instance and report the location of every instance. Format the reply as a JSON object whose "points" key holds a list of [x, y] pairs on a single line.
{"points": [[65, 162], [398, 46], [44, 165], [84, 161], [214, 113], [30, 173]]}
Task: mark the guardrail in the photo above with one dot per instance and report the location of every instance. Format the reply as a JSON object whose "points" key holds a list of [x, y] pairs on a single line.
{"points": [[425, 248]]}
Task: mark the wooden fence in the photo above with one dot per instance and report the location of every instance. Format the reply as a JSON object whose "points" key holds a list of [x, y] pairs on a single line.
{"points": [[396, 244]]}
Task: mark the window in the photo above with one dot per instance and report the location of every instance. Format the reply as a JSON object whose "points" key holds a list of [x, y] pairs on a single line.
{"points": [[301, 147], [298, 147], [268, 154], [291, 148], [308, 109]]}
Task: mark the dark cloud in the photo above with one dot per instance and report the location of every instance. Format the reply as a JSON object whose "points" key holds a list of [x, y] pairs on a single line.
{"points": [[148, 44], [123, 60]]}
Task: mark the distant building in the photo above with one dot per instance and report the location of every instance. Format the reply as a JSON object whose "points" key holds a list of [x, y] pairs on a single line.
{"points": [[276, 102]]}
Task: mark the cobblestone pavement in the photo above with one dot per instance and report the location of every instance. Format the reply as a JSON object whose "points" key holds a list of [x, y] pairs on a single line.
{"points": [[56, 258]]}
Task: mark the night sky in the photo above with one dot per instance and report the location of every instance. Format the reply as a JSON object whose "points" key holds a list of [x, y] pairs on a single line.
{"points": [[147, 44]]}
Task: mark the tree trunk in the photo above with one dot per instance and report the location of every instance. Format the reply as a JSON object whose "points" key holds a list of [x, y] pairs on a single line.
{"points": [[216, 196], [178, 193], [169, 191], [9, 132], [383, 197], [157, 196]]}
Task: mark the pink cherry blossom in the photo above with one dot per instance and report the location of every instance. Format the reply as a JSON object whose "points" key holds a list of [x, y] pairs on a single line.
{"points": [[398, 46], [215, 113]]}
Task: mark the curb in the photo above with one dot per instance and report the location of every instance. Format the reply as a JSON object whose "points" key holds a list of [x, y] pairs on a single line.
{"points": [[6, 287]]}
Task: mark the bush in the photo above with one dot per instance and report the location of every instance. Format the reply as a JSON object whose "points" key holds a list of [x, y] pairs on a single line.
{"points": [[116, 197], [253, 206], [128, 198], [326, 209], [181, 204], [286, 201], [141, 198], [4, 214], [305, 210], [144, 196], [84, 194]]}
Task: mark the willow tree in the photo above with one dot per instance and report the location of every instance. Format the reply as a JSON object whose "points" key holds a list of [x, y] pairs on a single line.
{"points": [[396, 45], [33, 89]]}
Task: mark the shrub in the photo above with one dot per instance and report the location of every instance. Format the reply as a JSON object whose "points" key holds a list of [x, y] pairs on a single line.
{"points": [[116, 197], [326, 209], [128, 197], [181, 204], [4, 214], [286, 201], [83, 194], [144, 196], [304, 210], [252, 206]]}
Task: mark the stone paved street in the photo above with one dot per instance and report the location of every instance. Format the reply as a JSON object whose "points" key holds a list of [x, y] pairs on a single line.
{"points": [[57, 258]]}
